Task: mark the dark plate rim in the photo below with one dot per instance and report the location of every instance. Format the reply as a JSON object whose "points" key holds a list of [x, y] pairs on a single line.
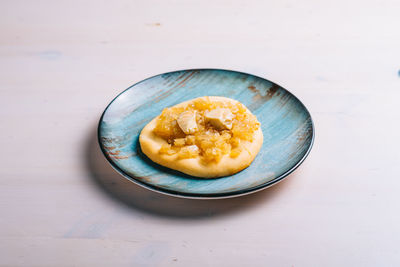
{"points": [[214, 195]]}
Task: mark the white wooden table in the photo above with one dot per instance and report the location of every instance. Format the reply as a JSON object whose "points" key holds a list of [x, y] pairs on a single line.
{"points": [[61, 62]]}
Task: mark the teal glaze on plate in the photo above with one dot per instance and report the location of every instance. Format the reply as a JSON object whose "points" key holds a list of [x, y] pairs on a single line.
{"points": [[285, 122]]}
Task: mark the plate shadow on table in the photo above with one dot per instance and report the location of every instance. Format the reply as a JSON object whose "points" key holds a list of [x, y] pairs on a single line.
{"points": [[120, 189]]}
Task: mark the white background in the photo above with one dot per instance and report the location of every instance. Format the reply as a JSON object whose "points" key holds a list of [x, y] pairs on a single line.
{"points": [[62, 62]]}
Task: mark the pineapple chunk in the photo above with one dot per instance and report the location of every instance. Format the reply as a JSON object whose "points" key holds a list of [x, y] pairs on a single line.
{"points": [[189, 152], [179, 142], [187, 122], [220, 118]]}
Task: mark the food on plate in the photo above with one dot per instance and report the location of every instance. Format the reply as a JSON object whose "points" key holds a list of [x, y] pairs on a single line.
{"points": [[206, 137]]}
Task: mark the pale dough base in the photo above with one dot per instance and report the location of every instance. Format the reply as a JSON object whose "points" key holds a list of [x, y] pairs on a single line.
{"points": [[151, 144]]}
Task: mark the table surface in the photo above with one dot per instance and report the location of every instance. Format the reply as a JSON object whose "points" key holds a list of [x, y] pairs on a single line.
{"points": [[62, 62]]}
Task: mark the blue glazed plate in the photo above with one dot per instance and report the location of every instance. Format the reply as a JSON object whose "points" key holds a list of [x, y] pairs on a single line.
{"points": [[286, 124]]}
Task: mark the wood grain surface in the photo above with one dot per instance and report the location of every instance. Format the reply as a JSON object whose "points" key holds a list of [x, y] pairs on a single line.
{"points": [[61, 62]]}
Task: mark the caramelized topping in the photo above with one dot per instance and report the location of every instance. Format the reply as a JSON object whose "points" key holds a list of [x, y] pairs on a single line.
{"points": [[205, 128]]}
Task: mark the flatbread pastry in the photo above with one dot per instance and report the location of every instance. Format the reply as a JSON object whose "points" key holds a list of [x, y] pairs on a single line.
{"points": [[206, 137]]}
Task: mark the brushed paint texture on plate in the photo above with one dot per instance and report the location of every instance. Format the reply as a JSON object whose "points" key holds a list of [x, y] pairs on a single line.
{"points": [[285, 122]]}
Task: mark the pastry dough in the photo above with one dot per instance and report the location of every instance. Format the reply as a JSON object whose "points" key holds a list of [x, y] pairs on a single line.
{"points": [[226, 164]]}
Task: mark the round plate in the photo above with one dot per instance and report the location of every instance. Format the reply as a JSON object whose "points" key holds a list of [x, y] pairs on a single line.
{"points": [[286, 124]]}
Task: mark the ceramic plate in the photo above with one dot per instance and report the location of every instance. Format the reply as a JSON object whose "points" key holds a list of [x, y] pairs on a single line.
{"points": [[285, 122]]}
